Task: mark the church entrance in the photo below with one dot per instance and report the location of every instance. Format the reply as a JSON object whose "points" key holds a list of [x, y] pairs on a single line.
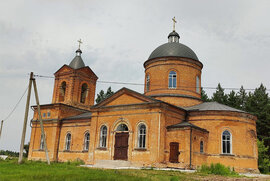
{"points": [[174, 153], [121, 143]]}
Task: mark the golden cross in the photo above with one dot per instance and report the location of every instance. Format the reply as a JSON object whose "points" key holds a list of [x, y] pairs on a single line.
{"points": [[80, 42], [174, 21]]}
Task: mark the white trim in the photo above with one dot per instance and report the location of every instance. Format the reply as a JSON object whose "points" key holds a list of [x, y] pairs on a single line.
{"points": [[84, 141], [169, 77], [138, 136], [100, 137], [230, 142], [69, 142]]}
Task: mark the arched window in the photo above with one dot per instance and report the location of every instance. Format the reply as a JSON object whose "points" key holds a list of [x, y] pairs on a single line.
{"points": [[147, 83], [41, 147], [62, 92], [103, 137], [201, 146], [68, 142], [122, 127], [84, 92], [172, 79], [197, 84], [226, 142], [141, 135], [86, 141]]}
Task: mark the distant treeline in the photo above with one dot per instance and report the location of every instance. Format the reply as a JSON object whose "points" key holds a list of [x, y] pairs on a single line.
{"points": [[14, 153], [9, 153]]}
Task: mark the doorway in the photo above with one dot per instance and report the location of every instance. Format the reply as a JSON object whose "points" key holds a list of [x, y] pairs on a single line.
{"points": [[174, 152], [121, 146]]}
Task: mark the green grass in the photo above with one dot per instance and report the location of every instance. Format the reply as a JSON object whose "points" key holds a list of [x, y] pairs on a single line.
{"points": [[36, 170]]}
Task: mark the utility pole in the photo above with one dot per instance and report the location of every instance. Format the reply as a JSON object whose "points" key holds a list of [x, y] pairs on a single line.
{"points": [[25, 118], [1, 127], [41, 123]]}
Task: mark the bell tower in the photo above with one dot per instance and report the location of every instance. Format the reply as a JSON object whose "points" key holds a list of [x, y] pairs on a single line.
{"points": [[75, 84]]}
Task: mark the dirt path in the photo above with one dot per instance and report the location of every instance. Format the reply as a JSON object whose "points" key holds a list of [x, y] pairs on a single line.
{"points": [[221, 178]]}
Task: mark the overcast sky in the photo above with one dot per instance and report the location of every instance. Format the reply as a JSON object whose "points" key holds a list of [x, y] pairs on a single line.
{"points": [[231, 39]]}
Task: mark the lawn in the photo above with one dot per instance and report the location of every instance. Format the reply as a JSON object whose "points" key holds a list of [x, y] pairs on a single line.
{"points": [[35, 170]]}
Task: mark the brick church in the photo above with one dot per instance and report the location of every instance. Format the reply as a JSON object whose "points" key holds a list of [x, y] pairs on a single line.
{"points": [[166, 126]]}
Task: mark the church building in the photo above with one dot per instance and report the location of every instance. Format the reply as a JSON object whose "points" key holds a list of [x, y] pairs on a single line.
{"points": [[166, 126]]}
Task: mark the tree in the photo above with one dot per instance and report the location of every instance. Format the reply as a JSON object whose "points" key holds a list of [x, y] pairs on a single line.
{"points": [[26, 148], [204, 96], [242, 98], [263, 157], [258, 104], [233, 99], [219, 96], [102, 96]]}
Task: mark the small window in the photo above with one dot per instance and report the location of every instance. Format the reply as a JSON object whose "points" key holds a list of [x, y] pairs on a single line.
{"points": [[62, 92], [197, 84], [147, 83], [141, 135], [226, 142], [201, 147], [84, 92], [172, 80], [48, 114], [41, 147], [86, 141], [103, 137], [44, 115], [68, 142]]}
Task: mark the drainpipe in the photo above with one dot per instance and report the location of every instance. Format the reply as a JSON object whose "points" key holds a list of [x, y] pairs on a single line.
{"points": [[159, 133], [190, 153]]}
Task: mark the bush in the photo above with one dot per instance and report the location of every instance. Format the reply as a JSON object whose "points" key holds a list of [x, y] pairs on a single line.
{"points": [[217, 169], [174, 178], [263, 157]]}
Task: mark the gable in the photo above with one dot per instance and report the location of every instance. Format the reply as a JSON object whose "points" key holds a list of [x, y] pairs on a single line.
{"points": [[125, 99], [88, 71], [63, 69]]}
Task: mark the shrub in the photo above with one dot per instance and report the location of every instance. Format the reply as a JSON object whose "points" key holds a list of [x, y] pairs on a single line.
{"points": [[217, 169], [263, 157], [174, 178]]}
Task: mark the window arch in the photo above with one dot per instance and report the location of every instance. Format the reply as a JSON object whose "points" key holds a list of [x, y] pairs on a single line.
{"points": [[122, 127], [62, 92], [68, 142], [83, 92], [172, 79], [226, 142], [141, 136], [86, 141], [103, 137], [41, 147], [198, 84], [201, 147], [147, 83]]}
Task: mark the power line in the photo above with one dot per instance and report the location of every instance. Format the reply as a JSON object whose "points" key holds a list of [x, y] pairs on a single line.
{"points": [[16, 105], [181, 87]]}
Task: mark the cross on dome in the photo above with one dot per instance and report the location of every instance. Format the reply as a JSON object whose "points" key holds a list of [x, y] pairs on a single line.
{"points": [[80, 42], [173, 36], [174, 21]]}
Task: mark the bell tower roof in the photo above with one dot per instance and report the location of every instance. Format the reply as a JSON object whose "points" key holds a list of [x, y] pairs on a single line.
{"points": [[77, 61]]}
